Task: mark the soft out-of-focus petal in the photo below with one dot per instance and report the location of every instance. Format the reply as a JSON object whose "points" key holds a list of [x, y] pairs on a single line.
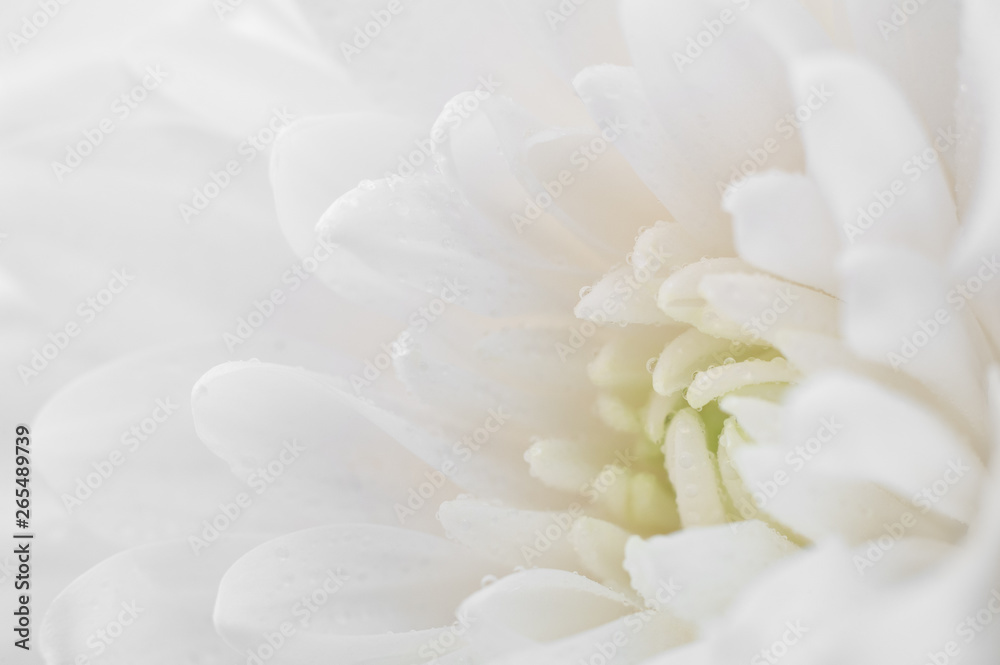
{"points": [[632, 640], [526, 538], [764, 307], [257, 416], [422, 237], [462, 366], [549, 616], [707, 567], [227, 73], [762, 419], [833, 591], [309, 170], [119, 449], [540, 605], [875, 162], [619, 298], [832, 15], [819, 506], [900, 311], [601, 548], [406, 58], [573, 36], [614, 95], [147, 605], [578, 176], [920, 55], [979, 241], [853, 428], [475, 152], [781, 606], [353, 593], [699, 92], [482, 453], [776, 210]]}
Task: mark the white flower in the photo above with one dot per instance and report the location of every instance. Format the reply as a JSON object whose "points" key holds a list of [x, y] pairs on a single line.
{"points": [[784, 450]]}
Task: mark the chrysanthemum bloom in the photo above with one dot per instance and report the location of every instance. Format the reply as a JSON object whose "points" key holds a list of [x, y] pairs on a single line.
{"points": [[761, 432]]}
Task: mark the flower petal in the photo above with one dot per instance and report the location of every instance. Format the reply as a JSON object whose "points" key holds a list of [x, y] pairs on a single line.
{"points": [[619, 298], [979, 160], [116, 442], [679, 297], [601, 548], [718, 381], [708, 565], [224, 72], [979, 129], [919, 55], [900, 311], [760, 418], [615, 94], [853, 428], [693, 471], [631, 640], [547, 616], [352, 593], [540, 605], [578, 176], [421, 236], [149, 596], [686, 354], [514, 537], [475, 152], [763, 307], [873, 159], [819, 506], [257, 416], [573, 37], [775, 211], [307, 174], [406, 59], [742, 72]]}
